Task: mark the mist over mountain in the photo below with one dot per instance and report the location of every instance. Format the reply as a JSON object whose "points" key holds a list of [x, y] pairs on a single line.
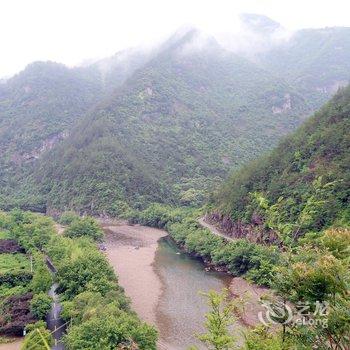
{"points": [[164, 124]]}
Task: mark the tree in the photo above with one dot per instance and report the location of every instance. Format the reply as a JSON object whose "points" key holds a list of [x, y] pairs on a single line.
{"points": [[337, 241], [108, 327], [40, 305], [68, 217], [218, 322], [42, 279], [260, 338], [85, 227], [88, 271], [37, 338]]}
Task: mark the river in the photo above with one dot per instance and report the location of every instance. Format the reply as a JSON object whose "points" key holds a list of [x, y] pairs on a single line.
{"points": [[164, 284]]}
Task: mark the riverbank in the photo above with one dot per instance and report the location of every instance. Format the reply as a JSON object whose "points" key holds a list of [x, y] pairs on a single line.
{"points": [[241, 288], [249, 293], [130, 251], [163, 283], [12, 345]]}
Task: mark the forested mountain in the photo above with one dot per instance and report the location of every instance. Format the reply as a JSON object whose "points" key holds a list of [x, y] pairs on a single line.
{"points": [[315, 60], [301, 186], [176, 126], [38, 106], [162, 125]]}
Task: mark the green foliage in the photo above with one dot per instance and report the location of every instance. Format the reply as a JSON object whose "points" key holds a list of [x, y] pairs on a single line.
{"points": [[111, 326], [40, 305], [317, 61], [33, 232], [314, 275], [37, 108], [170, 133], [159, 216], [218, 322], [12, 263], [303, 184], [94, 303], [42, 279], [97, 308], [68, 217], [4, 235], [84, 227], [337, 241], [261, 339], [38, 338], [240, 257]]}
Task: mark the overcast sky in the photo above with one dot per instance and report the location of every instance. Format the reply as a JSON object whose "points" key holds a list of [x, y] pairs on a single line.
{"points": [[70, 31]]}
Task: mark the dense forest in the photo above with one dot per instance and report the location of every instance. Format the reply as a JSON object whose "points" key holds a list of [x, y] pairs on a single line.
{"points": [[185, 133], [173, 126], [306, 54], [96, 312], [285, 224], [301, 186], [160, 125]]}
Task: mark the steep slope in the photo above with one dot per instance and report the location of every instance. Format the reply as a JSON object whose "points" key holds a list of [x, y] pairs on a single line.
{"points": [[115, 70], [315, 60], [39, 103], [179, 123], [301, 186], [37, 108]]}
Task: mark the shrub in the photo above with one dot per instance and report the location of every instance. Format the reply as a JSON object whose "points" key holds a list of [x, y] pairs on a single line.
{"points": [[68, 217], [40, 305], [85, 227], [88, 271], [38, 338], [108, 328]]}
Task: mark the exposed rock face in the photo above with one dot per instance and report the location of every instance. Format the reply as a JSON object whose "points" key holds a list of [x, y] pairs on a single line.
{"points": [[254, 232], [46, 145], [286, 106], [332, 88]]}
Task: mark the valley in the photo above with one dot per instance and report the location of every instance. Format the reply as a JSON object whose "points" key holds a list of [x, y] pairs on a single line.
{"points": [[164, 283], [193, 194]]}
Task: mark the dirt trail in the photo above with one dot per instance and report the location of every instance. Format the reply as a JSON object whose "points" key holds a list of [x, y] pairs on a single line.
{"points": [[241, 288], [59, 228], [213, 229]]}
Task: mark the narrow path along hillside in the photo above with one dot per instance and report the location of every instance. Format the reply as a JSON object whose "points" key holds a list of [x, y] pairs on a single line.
{"points": [[213, 229], [241, 288]]}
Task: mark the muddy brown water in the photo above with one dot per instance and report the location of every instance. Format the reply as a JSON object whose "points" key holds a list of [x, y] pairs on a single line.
{"points": [[163, 283]]}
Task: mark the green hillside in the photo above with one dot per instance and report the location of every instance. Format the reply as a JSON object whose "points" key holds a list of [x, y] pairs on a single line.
{"points": [[163, 125], [315, 60], [302, 185], [37, 109], [171, 131]]}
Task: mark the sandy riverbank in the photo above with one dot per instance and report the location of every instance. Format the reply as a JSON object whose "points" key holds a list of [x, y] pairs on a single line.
{"points": [[131, 251], [252, 294], [15, 345]]}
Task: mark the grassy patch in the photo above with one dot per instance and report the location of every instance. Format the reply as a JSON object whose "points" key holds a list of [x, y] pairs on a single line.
{"points": [[13, 263], [7, 291], [5, 235]]}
